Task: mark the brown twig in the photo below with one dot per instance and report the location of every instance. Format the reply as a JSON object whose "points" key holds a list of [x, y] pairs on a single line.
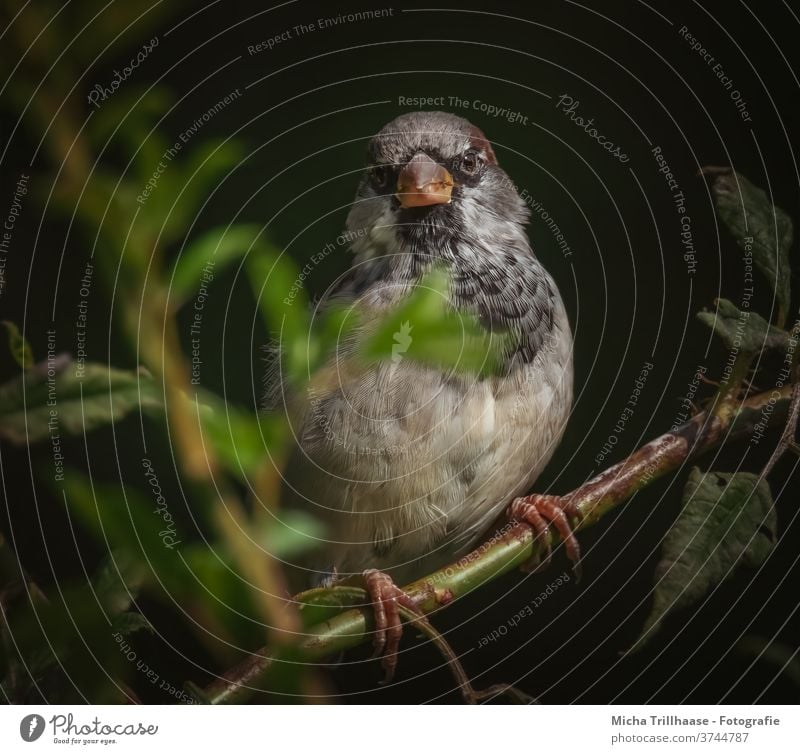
{"points": [[470, 695], [786, 441], [514, 544]]}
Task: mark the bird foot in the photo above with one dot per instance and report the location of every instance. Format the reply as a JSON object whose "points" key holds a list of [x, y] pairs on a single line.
{"points": [[385, 597], [539, 511]]}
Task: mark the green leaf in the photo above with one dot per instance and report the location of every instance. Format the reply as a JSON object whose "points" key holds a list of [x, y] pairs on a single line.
{"points": [[223, 597], [294, 532], [130, 522], [213, 250], [126, 521], [105, 196], [73, 626], [758, 226], [128, 119], [20, 348], [743, 330], [278, 288], [424, 328], [242, 440], [117, 582], [185, 185], [64, 398], [726, 519]]}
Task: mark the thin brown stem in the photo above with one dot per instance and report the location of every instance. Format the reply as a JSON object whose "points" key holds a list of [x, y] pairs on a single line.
{"points": [[514, 544], [790, 428]]}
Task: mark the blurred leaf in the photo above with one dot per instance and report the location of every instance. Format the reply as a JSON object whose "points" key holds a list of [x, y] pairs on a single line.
{"points": [[127, 119], [279, 291], [127, 520], [106, 205], [243, 441], [294, 532], [743, 330], [117, 582], [219, 246], [217, 595], [54, 392], [424, 328], [15, 587], [20, 348], [747, 212], [726, 519], [124, 520], [71, 632], [335, 325], [185, 185]]}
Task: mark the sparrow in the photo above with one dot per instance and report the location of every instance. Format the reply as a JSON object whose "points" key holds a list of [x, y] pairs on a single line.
{"points": [[408, 464]]}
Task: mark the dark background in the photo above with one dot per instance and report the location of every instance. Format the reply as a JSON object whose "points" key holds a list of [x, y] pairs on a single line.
{"points": [[314, 102]]}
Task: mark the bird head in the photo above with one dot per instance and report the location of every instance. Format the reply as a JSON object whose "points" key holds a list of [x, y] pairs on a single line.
{"points": [[432, 183]]}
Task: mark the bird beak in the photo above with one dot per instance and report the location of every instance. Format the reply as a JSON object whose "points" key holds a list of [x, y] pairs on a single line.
{"points": [[423, 182]]}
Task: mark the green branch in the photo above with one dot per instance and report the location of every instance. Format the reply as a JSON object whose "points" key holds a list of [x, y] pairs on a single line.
{"points": [[514, 544]]}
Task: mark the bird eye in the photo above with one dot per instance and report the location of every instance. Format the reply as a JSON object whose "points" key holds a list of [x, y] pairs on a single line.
{"points": [[469, 163], [381, 176]]}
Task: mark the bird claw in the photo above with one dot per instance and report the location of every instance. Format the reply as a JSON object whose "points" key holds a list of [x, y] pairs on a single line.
{"points": [[385, 597], [539, 511]]}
